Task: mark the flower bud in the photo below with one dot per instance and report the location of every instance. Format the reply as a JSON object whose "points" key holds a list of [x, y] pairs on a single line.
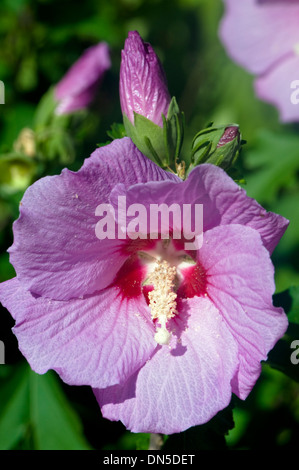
{"points": [[79, 86], [152, 119], [229, 135], [26, 143], [217, 145], [143, 87]]}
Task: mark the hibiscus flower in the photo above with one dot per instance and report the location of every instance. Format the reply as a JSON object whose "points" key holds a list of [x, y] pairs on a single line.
{"points": [[164, 335]]}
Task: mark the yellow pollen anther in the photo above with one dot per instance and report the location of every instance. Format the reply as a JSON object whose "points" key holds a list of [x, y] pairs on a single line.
{"points": [[162, 299]]}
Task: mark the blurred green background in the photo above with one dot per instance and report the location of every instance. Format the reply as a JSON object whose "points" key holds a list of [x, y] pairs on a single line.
{"points": [[40, 39]]}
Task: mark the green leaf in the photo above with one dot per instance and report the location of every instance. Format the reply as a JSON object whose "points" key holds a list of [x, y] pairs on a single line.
{"points": [[35, 413], [273, 162], [55, 144], [117, 131], [287, 206], [142, 441]]}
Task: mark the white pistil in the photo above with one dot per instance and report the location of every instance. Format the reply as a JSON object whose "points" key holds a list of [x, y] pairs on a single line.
{"points": [[163, 298]]}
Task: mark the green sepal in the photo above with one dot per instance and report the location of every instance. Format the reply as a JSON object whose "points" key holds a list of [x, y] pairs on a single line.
{"points": [[173, 128], [148, 138], [160, 144]]}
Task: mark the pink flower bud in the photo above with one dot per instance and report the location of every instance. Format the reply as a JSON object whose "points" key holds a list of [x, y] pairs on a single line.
{"points": [[78, 87], [143, 86], [230, 133]]}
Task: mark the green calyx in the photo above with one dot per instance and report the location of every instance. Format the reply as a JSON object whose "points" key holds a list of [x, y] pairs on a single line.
{"points": [[219, 146], [160, 144]]}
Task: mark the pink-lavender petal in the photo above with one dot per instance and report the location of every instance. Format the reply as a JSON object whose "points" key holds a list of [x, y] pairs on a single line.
{"points": [[56, 251], [258, 34], [240, 283], [78, 87], [181, 386], [275, 87], [98, 340]]}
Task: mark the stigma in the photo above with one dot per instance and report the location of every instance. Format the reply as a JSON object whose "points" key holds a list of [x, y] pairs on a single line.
{"points": [[162, 299]]}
